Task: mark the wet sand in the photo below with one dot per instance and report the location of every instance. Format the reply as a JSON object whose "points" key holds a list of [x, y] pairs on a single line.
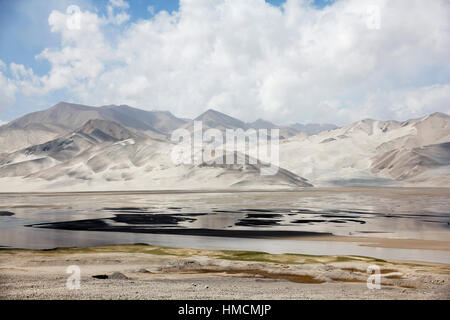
{"points": [[147, 272], [381, 242]]}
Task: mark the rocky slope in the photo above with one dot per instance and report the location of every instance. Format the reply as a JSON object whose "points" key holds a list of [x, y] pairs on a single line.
{"points": [[42, 126], [74, 147], [371, 152], [103, 155]]}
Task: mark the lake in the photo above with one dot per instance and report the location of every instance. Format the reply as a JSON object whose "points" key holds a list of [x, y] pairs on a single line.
{"points": [[259, 220]]}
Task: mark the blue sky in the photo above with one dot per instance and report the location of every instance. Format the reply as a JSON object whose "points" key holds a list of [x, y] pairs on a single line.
{"points": [[345, 71], [24, 33], [24, 29]]}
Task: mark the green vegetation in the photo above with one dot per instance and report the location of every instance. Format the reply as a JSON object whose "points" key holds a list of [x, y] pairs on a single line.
{"points": [[233, 255]]}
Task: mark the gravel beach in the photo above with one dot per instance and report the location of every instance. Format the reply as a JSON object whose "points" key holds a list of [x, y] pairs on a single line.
{"points": [[147, 272]]}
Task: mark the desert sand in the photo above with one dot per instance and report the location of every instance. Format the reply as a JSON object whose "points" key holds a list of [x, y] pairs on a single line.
{"points": [[147, 272]]}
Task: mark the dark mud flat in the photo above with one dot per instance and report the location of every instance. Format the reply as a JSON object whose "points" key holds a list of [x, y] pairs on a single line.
{"points": [[150, 219], [129, 209], [328, 221], [257, 222], [6, 213], [308, 221], [141, 209], [102, 225], [142, 220]]}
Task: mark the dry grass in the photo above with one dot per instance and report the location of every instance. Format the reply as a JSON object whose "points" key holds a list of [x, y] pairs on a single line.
{"points": [[347, 280], [382, 271], [298, 278], [394, 276]]}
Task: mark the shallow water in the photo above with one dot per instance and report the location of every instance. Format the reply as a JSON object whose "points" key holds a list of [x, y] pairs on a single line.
{"points": [[194, 217]]}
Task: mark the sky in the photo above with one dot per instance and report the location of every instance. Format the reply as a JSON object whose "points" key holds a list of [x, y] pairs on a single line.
{"points": [[325, 61]]}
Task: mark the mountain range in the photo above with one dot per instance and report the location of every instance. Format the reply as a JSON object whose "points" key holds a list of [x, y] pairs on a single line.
{"points": [[75, 147]]}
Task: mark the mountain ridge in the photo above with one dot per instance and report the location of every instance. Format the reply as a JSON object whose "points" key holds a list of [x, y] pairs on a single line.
{"points": [[64, 117], [63, 151]]}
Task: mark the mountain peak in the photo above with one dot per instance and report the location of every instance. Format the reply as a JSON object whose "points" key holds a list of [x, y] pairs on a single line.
{"points": [[211, 112], [219, 120], [65, 105], [439, 115]]}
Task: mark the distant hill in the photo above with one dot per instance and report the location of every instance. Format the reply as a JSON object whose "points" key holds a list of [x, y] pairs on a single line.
{"points": [[313, 128], [41, 126], [218, 120], [374, 152], [104, 155], [77, 147]]}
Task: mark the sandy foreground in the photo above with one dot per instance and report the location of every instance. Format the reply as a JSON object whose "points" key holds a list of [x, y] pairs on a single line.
{"points": [[148, 272]]}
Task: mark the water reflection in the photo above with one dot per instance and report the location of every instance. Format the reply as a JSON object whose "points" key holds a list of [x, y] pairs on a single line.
{"points": [[378, 212]]}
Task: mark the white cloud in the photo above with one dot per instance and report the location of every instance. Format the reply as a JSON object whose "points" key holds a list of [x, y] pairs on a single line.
{"points": [[252, 59], [82, 55], [119, 4], [118, 18], [413, 102], [7, 89]]}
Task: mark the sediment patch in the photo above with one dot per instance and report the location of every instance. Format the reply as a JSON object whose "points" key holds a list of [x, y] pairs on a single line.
{"points": [[103, 225]]}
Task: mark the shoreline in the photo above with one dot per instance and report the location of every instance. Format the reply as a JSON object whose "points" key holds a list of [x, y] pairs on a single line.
{"points": [[365, 188], [378, 242]]}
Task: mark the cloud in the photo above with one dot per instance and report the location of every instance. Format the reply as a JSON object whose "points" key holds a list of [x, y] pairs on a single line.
{"points": [[414, 102], [7, 89], [251, 59], [83, 53], [120, 17], [119, 4]]}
